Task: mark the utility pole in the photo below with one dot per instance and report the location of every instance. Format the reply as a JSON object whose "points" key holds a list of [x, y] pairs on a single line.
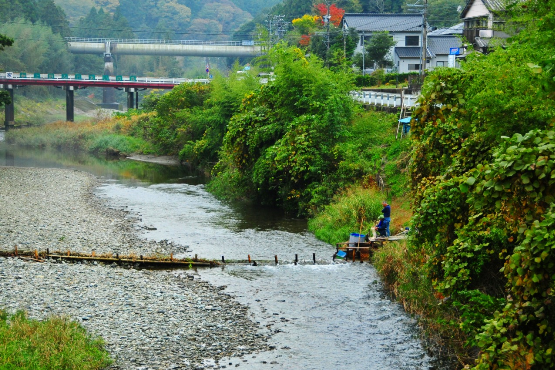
{"points": [[424, 54], [363, 52], [327, 23], [344, 42], [276, 22], [424, 40]]}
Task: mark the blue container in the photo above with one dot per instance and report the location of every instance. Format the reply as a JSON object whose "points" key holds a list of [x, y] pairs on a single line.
{"points": [[356, 238], [340, 254]]}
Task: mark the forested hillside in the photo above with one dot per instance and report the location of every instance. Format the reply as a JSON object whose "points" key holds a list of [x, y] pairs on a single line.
{"points": [[178, 19]]}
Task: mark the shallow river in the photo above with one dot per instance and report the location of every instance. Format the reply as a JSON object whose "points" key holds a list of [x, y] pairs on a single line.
{"points": [[323, 315]]}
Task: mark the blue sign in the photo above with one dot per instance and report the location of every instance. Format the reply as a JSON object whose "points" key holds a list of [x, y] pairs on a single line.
{"points": [[454, 51]]}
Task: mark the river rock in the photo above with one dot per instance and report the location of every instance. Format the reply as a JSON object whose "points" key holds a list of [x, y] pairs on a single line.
{"points": [[148, 319]]}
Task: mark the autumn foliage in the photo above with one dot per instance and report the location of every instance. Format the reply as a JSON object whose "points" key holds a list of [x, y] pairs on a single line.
{"points": [[305, 40], [336, 14]]}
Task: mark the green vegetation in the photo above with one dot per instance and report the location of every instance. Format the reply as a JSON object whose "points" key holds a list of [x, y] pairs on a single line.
{"points": [[98, 137], [280, 147], [478, 266], [4, 96], [482, 181], [56, 343], [371, 159]]}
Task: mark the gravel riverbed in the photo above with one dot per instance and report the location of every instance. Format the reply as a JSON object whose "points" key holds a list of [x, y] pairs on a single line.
{"points": [[150, 319]]}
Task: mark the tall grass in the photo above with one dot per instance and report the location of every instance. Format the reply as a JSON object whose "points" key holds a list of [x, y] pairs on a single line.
{"points": [[95, 136], [56, 343], [352, 211]]}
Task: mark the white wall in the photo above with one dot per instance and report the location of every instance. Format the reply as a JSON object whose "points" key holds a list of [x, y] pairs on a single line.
{"points": [[477, 9]]}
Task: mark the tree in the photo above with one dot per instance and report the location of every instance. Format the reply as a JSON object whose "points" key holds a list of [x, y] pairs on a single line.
{"points": [[378, 48], [4, 96], [280, 145], [445, 13]]}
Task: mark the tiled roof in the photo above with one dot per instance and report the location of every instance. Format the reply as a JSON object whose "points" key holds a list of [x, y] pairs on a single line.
{"points": [[441, 44], [373, 22], [454, 30], [411, 52], [494, 5]]}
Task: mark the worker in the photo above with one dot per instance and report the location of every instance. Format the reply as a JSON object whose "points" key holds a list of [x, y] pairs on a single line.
{"points": [[386, 217], [380, 226]]}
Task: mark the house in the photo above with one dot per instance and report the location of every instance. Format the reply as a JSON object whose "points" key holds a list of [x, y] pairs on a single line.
{"points": [[453, 30], [483, 22], [406, 29], [407, 59]]}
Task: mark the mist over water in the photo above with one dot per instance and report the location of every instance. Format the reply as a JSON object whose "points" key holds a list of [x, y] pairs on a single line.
{"points": [[322, 316]]}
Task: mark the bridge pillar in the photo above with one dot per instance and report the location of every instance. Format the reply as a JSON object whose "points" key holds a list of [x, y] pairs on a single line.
{"points": [[108, 93], [9, 121], [70, 111], [130, 97]]}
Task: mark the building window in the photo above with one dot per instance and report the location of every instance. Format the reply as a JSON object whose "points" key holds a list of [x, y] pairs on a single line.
{"points": [[499, 26], [440, 64], [414, 67], [412, 40]]}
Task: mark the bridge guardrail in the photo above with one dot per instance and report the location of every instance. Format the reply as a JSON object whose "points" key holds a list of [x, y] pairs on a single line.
{"points": [[384, 99], [79, 77]]}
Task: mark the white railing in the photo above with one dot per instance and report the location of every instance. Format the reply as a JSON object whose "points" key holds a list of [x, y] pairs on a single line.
{"points": [[384, 99]]}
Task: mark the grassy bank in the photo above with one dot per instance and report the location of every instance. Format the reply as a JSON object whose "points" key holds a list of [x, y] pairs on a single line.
{"points": [[56, 343], [377, 163], [109, 136], [34, 111]]}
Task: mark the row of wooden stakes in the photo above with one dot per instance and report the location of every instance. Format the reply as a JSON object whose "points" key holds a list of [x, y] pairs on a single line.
{"points": [[170, 261]]}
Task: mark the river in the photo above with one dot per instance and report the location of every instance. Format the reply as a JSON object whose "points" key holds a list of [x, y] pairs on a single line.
{"points": [[323, 316]]}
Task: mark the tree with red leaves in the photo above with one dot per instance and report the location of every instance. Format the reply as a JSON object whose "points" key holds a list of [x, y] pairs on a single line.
{"points": [[336, 14], [305, 40]]}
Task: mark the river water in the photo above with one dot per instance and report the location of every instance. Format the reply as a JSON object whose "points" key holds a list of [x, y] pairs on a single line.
{"points": [[323, 316]]}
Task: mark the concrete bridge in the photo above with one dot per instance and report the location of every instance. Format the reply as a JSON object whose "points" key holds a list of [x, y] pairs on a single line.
{"points": [[246, 48], [130, 84], [110, 47]]}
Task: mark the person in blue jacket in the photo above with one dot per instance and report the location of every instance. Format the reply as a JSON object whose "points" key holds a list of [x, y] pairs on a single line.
{"points": [[381, 227], [386, 217]]}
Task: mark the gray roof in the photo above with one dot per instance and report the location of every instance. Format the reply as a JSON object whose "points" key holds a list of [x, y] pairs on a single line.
{"points": [[441, 44], [411, 52], [454, 30], [372, 22], [492, 5]]}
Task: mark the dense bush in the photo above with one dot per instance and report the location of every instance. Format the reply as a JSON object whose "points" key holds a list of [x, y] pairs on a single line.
{"points": [[482, 176], [375, 79], [281, 146]]}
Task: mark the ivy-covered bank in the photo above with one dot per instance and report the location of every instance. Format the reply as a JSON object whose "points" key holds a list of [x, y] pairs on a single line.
{"points": [[483, 185]]}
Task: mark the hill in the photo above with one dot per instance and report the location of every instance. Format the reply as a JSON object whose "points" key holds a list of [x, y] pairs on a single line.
{"points": [[174, 18]]}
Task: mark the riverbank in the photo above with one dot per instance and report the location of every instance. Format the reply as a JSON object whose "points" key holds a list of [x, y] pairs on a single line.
{"points": [[149, 319]]}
